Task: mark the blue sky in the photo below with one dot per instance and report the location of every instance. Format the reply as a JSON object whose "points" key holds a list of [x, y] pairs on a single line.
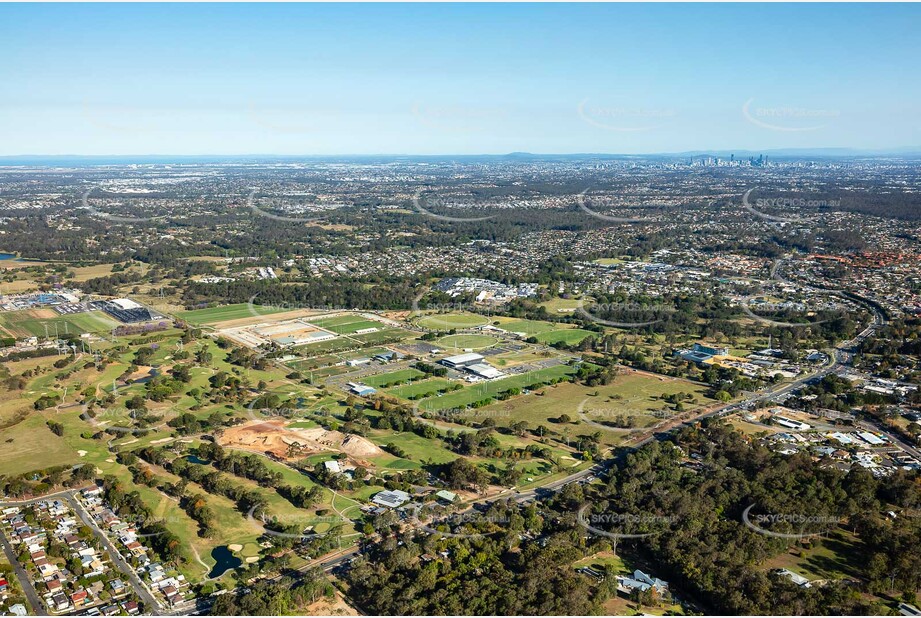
{"points": [[447, 78]]}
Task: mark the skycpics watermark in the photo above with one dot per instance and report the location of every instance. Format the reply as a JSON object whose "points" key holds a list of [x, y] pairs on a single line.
{"points": [[598, 309], [624, 118], [622, 522], [787, 118], [106, 419], [259, 310], [785, 203], [299, 218], [746, 305], [424, 202], [589, 414], [452, 415], [108, 216], [451, 523], [302, 536], [818, 524], [595, 205]]}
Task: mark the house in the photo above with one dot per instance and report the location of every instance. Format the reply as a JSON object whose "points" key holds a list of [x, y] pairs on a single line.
{"points": [[446, 496], [18, 610], [171, 594], [79, 598], [117, 586], [797, 579], [332, 466], [391, 499], [131, 607], [54, 585], [60, 602], [642, 582]]}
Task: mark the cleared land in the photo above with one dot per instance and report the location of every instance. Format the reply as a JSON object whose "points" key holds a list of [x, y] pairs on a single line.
{"points": [[392, 378], [213, 315], [463, 342], [447, 321], [569, 336], [484, 390], [424, 388]]}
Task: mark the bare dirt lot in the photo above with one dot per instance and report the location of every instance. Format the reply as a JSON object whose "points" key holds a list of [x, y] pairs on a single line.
{"points": [[273, 437]]}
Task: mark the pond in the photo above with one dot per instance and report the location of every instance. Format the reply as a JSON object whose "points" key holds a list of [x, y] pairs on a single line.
{"points": [[7, 256], [224, 561], [197, 460]]}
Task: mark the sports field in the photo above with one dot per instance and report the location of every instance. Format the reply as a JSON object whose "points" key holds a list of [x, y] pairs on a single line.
{"points": [[393, 377], [345, 324], [33, 323], [483, 390], [463, 342], [213, 315], [447, 321], [528, 327], [424, 388], [569, 336]]}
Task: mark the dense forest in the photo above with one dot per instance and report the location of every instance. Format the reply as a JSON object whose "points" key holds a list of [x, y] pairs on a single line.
{"points": [[693, 510]]}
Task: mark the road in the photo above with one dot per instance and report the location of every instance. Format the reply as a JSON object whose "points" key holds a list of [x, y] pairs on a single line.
{"points": [[25, 583], [150, 602]]}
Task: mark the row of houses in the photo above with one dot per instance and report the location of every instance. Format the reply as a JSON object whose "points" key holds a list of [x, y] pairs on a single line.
{"points": [[68, 570], [127, 537]]}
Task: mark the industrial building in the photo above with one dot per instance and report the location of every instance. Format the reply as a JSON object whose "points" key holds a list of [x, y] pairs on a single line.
{"points": [[462, 360]]}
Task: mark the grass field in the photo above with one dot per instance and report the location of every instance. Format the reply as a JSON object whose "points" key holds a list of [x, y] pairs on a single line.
{"points": [[424, 388], [213, 315], [477, 392], [382, 379], [569, 336], [346, 324], [463, 342], [33, 322], [447, 321], [30, 445], [528, 327], [636, 395]]}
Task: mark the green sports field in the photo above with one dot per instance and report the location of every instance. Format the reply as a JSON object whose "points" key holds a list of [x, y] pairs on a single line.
{"points": [[447, 321], [569, 336], [528, 327], [477, 392], [213, 315], [346, 324], [403, 375], [423, 387], [28, 323], [463, 342]]}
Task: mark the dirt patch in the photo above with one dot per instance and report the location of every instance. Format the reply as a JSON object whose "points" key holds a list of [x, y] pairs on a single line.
{"points": [[272, 437], [330, 607], [142, 372]]}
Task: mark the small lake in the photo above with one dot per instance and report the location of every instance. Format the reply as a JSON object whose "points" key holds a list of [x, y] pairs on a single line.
{"points": [[224, 561], [196, 460], [7, 256]]}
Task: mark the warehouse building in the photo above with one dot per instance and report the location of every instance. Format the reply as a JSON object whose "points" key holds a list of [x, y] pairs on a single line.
{"points": [[462, 360]]}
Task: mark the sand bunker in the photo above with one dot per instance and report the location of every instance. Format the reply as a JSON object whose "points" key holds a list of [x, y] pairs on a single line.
{"points": [[235, 547], [272, 437]]}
